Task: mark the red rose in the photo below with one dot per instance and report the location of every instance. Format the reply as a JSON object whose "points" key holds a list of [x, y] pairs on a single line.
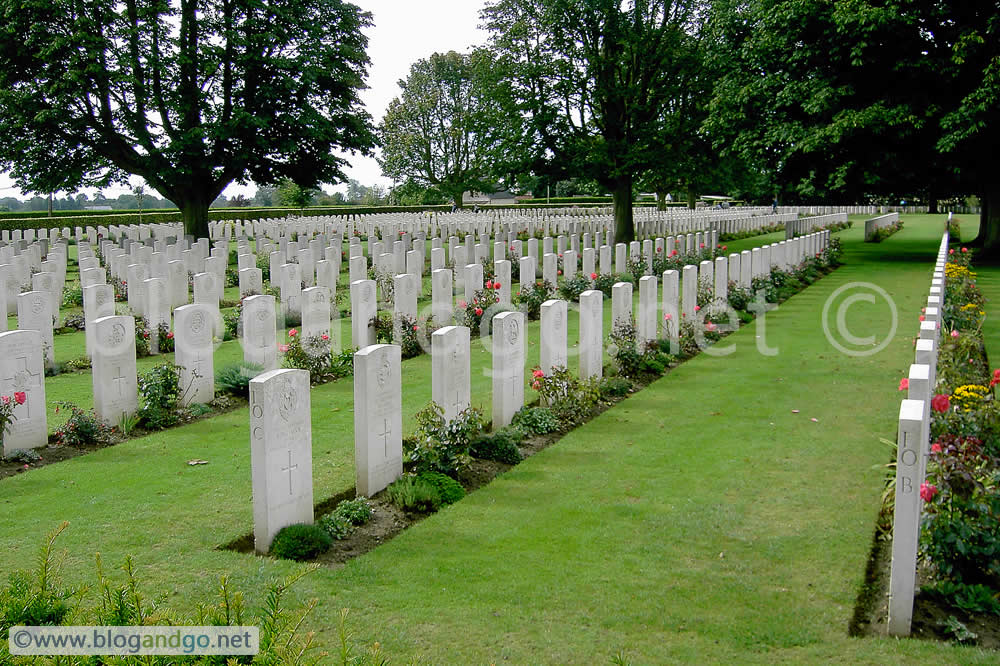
{"points": [[941, 403], [20, 397]]}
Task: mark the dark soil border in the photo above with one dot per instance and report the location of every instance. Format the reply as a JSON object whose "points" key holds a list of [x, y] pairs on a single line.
{"points": [[930, 614]]}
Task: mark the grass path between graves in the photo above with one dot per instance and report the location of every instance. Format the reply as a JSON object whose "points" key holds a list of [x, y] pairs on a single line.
{"points": [[700, 521]]}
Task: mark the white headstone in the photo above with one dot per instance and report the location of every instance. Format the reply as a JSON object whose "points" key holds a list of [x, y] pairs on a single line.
{"points": [[280, 452], [378, 418], [508, 366], [364, 307], [553, 330], [450, 370], [591, 334], [194, 329], [23, 371], [259, 330], [114, 373]]}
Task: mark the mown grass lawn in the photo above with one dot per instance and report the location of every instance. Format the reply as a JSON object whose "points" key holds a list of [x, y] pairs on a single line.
{"points": [[700, 521]]}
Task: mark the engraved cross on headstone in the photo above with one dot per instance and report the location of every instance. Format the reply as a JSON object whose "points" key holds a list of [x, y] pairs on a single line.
{"points": [[118, 379], [386, 431], [289, 470], [23, 379]]}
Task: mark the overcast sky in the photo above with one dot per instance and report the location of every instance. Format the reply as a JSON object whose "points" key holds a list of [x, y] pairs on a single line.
{"points": [[404, 32]]}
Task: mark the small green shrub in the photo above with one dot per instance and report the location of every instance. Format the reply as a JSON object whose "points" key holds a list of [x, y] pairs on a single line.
{"points": [[301, 542], [441, 446], [449, 490], [336, 525], [357, 511], [82, 428], [414, 494], [75, 364], [500, 446], [159, 389], [235, 378], [529, 300], [615, 386], [571, 400], [73, 295], [74, 321], [571, 289], [23, 456], [535, 421]]}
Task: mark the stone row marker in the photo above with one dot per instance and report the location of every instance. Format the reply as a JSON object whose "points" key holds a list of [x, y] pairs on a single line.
{"points": [[280, 453], [912, 450]]}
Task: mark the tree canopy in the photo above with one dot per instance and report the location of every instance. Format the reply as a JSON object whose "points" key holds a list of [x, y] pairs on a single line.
{"points": [[447, 128], [858, 100], [593, 77], [189, 95]]}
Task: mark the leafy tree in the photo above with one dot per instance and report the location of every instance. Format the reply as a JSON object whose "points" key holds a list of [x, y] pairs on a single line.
{"points": [[189, 95], [264, 196], [593, 77], [290, 195], [862, 100], [442, 131]]}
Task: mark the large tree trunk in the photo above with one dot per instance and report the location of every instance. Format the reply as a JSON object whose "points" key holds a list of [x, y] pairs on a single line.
{"points": [[661, 201], [692, 197], [989, 221], [624, 224], [194, 214]]}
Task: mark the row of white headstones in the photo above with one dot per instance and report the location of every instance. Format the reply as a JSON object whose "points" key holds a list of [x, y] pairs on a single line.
{"points": [[913, 441], [197, 327], [281, 448]]}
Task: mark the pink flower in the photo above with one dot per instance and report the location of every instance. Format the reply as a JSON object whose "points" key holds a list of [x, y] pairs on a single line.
{"points": [[282, 348], [667, 316], [904, 384], [659, 249], [170, 335], [416, 328], [479, 312], [20, 397], [951, 251], [560, 255], [496, 285], [535, 385], [463, 304], [936, 448], [724, 248], [965, 249], [941, 403], [927, 491], [673, 253], [6, 399], [489, 284], [702, 245], [954, 334], [710, 327], [293, 332], [593, 276], [697, 308], [921, 317], [559, 272], [537, 374], [923, 309], [324, 337]]}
